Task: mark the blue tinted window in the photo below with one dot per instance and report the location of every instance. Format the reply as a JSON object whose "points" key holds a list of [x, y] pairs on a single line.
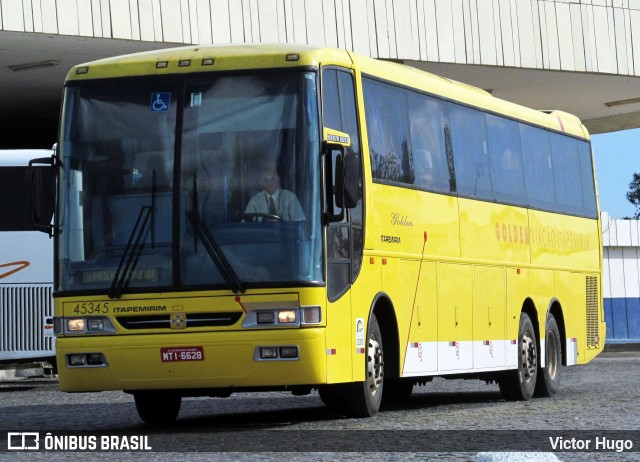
{"points": [[471, 153], [389, 133], [488, 157], [588, 183], [567, 175], [536, 152], [428, 119], [506, 159]]}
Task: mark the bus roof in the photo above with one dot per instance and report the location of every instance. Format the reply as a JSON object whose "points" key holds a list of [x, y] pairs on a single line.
{"points": [[207, 58], [21, 157]]}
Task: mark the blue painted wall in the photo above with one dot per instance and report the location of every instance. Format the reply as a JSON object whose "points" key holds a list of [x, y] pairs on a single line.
{"points": [[622, 316]]}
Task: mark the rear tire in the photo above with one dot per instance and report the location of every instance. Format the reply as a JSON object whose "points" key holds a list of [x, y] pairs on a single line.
{"points": [[362, 399], [519, 384], [548, 382], [157, 407]]}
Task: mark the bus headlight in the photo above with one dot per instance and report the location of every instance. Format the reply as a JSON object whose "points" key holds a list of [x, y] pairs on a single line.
{"points": [[284, 317], [265, 317], [311, 315], [75, 325], [91, 325], [287, 316]]}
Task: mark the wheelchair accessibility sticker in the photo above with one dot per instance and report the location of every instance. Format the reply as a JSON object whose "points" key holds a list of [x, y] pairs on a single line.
{"points": [[160, 101]]}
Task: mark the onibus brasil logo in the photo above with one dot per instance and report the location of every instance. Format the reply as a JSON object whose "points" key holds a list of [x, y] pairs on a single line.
{"points": [[33, 441]]}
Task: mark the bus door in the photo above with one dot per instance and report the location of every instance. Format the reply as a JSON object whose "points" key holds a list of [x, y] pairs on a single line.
{"points": [[344, 230]]}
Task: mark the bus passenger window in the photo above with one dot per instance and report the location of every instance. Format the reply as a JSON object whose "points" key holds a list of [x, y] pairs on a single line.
{"points": [[389, 132], [506, 157], [428, 118], [472, 165]]}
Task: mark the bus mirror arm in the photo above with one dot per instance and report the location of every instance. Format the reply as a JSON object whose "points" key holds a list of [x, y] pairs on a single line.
{"points": [[36, 186]]}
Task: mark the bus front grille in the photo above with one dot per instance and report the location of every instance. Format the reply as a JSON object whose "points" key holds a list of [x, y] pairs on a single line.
{"points": [[24, 313], [190, 320]]}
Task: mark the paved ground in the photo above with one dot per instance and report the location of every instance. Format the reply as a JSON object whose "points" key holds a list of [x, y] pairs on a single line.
{"points": [[597, 400]]}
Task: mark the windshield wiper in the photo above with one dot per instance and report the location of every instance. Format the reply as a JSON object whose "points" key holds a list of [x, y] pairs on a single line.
{"points": [[131, 253], [135, 244], [215, 252]]}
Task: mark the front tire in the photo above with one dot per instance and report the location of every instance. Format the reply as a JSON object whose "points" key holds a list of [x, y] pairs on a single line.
{"points": [[157, 407], [519, 384], [548, 382], [362, 399]]}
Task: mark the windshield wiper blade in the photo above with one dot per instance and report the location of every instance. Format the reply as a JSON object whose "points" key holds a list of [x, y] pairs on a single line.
{"points": [[215, 252], [131, 253]]}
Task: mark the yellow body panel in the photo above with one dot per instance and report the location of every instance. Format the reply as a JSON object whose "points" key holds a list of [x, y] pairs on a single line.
{"points": [[489, 299]]}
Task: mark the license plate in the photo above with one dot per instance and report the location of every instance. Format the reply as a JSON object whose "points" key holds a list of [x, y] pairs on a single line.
{"points": [[178, 354]]}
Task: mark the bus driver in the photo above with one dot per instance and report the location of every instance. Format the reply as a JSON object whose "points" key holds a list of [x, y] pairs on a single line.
{"points": [[275, 201]]}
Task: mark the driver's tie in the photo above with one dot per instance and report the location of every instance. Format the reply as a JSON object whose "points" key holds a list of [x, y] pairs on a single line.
{"points": [[272, 206]]}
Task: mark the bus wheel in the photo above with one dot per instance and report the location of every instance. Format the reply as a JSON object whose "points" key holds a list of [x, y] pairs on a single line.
{"points": [[362, 399], [550, 374], [157, 407], [519, 384]]}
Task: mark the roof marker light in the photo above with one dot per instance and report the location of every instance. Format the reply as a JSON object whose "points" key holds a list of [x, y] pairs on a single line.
{"points": [[293, 57], [184, 63], [208, 61], [82, 70], [162, 64]]}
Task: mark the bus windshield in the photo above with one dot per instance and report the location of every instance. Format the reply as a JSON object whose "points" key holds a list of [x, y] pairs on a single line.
{"points": [[187, 181]]}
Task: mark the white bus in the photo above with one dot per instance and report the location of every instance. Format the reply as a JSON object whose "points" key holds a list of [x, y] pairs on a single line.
{"points": [[26, 263]]}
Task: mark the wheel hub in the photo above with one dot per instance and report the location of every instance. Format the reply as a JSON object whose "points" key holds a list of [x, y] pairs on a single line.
{"points": [[375, 366], [529, 357]]}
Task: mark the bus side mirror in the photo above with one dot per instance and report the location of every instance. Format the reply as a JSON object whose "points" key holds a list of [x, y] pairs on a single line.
{"points": [[351, 180], [42, 189]]}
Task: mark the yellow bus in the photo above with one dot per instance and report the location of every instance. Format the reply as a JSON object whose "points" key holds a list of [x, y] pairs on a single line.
{"points": [[262, 217]]}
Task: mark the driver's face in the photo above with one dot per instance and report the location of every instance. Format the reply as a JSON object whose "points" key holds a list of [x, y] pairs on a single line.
{"points": [[270, 182]]}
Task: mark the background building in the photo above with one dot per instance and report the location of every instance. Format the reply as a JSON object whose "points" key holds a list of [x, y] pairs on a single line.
{"points": [[621, 279]]}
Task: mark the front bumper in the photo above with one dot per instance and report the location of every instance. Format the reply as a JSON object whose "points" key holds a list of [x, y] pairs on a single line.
{"points": [[229, 360]]}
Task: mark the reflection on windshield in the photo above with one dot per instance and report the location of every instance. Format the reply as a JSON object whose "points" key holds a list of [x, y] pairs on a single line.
{"points": [[245, 211]]}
